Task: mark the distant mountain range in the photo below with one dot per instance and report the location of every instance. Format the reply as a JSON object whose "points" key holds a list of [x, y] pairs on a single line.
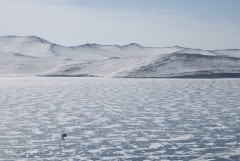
{"points": [[33, 56]]}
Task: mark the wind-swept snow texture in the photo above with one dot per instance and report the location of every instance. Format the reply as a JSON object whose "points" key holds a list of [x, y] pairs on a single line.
{"points": [[119, 119], [33, 56]]}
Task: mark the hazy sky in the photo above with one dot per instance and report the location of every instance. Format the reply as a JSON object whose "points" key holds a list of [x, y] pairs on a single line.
{"points": [[206, 24]]}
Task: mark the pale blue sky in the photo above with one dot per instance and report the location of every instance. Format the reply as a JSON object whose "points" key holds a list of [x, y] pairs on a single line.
{"points": [[206, 24]]}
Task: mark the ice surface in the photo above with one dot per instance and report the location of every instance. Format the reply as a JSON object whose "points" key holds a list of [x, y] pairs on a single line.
{"points": [[119, 119]]}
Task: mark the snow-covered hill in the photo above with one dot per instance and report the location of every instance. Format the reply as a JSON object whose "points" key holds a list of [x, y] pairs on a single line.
{"points": [[33, 56]]}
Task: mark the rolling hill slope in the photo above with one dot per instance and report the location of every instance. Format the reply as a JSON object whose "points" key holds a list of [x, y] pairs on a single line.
{"points": [[33, 56]]}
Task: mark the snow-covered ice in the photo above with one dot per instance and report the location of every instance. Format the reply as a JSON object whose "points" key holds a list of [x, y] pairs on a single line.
{"points": [[119, 119]]}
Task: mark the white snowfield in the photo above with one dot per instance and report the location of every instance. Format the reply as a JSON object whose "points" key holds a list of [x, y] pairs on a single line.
{"points": [[33, 56]]}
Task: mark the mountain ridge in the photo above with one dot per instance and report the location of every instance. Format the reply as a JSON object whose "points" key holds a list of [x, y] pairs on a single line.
{"points": [[35, 56]]}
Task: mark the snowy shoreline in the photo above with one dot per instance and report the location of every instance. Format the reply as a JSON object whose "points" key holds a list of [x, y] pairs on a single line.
{"points": [[33, 56]]}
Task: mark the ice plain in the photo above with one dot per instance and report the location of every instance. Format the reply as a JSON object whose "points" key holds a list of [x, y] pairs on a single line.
{"points": [[119, 119]]}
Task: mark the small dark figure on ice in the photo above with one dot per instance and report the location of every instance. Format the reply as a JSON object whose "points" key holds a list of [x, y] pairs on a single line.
{"points": [[64, 135]]}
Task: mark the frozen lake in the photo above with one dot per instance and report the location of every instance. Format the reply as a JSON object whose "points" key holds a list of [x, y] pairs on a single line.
{"points": [[119, 119]]}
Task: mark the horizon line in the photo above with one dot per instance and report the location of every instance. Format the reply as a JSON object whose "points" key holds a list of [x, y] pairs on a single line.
{"points": [[128, 44]]}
